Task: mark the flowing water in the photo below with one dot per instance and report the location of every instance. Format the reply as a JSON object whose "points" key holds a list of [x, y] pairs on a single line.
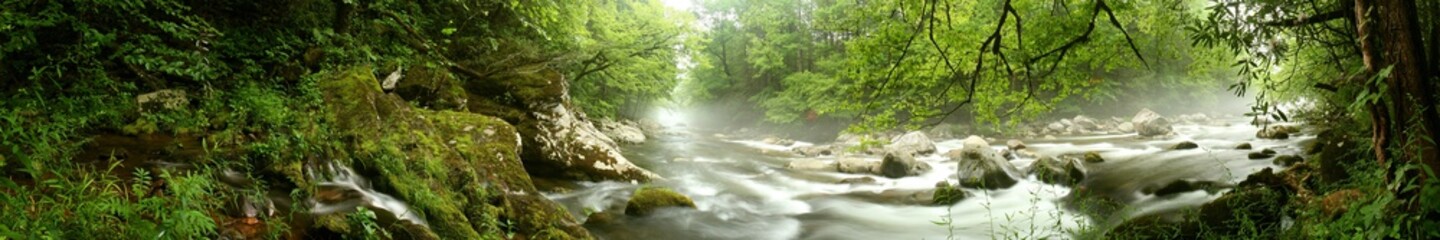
{"points": [[743, 191], [341, 190]]}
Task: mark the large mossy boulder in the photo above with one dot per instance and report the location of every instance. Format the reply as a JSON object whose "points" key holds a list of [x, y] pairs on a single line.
{"points": [[433, 88], [460, 170], [648, 199], [982, 167], [560, 142]]}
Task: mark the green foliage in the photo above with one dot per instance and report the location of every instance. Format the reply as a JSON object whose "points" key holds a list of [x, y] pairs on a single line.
{"points": [[899, 63], [627, 55], [96, 203]]}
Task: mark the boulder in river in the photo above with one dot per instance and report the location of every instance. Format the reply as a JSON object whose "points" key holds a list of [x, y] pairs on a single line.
{"points": [[1125, 127], [898, 165], [1093, 157], [1262, 154], [1183, 186], [559, 142], [1148, 123], [1085, 123], [856, 165], [1064, 171], [1056, 127], [1184, 146], [913, 143], [1014, 144], [648, 199], [1276, 132], [981, 167], [1011, 154], [1243, 146]]}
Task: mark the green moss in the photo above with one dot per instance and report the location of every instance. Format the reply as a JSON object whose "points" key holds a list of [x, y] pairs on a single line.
{"points": [[460, 170], [648, 198], [1093, 157], [946, 195]]}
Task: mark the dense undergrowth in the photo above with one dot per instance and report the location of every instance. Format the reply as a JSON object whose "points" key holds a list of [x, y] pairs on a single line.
{"points": [[86, 153]]}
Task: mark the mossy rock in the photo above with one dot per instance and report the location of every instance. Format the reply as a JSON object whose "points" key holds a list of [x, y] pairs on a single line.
{"points": [[1093, 157], [647, 199], [461, 171], [432, 87], [1186, 145], [947, 195]]}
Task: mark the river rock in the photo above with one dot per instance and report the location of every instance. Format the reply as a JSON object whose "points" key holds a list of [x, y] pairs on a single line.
{"points": [[1066, 171], [648, 199], [621, 131], [1093, 157], [1148, 123], [814, 151], [981, 167], [1183, 186], [859, 166], [810, 165], [559, 142], [166, 99], [1184, 146], [1276, 132], [1085, 123], [1013, 154], [1243, 146], [1262, 154], [913, 143], [1014, 144], [1056, 127], [1125, 127], [898, 165]]}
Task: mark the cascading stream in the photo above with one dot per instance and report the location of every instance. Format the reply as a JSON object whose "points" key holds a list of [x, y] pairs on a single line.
{"points": [[340, 190], [743, 191]]}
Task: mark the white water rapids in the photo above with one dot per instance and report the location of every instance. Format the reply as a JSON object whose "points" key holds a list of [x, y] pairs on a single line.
{"points": [[743, 191]]}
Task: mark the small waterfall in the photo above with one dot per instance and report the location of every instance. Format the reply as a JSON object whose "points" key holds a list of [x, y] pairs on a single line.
{"points": [[341, 190]]}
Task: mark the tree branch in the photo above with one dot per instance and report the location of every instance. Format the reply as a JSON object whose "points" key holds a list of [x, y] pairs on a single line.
{"points": [[1307, 20]]}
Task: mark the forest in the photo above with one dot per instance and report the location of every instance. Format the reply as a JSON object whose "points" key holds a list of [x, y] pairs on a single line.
{"points": [[719, 119]]}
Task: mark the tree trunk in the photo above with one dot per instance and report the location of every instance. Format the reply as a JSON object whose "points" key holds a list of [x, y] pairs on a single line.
{"points": [[1392, 38]]}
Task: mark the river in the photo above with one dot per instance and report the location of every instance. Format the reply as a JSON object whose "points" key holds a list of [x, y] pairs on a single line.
{"points": [[743, 190]]}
